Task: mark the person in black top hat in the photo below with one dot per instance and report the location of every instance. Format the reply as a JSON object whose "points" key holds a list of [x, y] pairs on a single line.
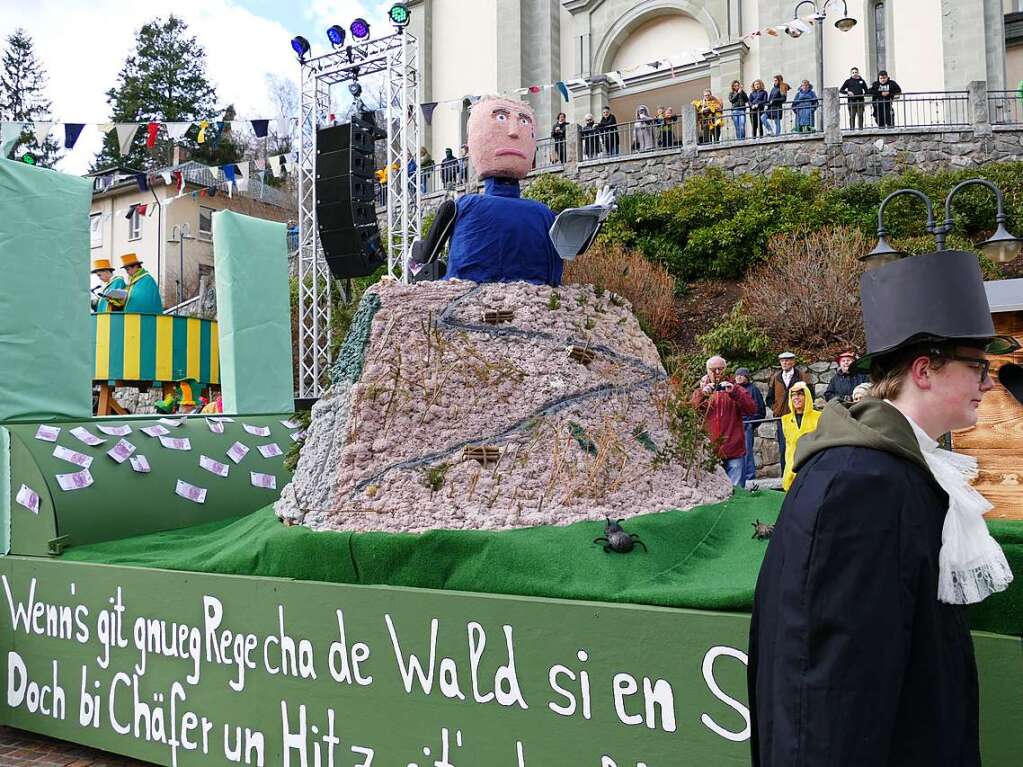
{"points": [[860, 653]]}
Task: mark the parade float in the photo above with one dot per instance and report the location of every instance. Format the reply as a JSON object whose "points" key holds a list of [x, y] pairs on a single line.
{"points": [[495, 548]]}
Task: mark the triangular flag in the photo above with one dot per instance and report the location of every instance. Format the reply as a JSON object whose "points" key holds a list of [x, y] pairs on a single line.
{"points": [[535, 89], [179, 179], [243, 176], [71, 133], [151, 209], [41, 130], [428, 111], [283, 127], [152, 131], [260, 128], [125, 135], [105, 128], [166, 176], [260, 163], [141, 208], [563, 89], [142, 181], [203, 125], [218, 127], [211, 191], [276, 164], [229, 173], [131, 211], [617, 78], [177, 131]]}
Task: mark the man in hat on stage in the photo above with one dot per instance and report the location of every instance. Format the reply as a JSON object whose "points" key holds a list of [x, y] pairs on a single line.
{"points": [[104, 270], [860, 652], [143, 293]]}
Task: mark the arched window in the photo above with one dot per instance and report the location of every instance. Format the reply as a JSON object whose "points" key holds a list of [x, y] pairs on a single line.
{"points": [[880, 43]]}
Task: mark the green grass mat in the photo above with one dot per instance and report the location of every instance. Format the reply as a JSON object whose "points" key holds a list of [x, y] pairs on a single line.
{"points": [[705, 558]]}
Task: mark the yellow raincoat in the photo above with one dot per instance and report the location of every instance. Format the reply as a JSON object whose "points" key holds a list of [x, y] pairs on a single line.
{"points": [[793, 432]]}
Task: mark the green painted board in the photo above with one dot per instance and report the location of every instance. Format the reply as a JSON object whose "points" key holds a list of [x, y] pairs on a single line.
{"points": [[121, 502], [270, 663]]}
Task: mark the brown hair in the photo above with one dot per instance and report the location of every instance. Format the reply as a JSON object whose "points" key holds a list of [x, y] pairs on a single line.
{"points": [[888, 374], [782, 85]]}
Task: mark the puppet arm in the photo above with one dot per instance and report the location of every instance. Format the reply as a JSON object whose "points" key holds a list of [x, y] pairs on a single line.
{"points": [[426, 251], [575, 229]]}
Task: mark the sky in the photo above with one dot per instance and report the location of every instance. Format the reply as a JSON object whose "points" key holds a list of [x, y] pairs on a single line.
{"points": [[83, 46]]}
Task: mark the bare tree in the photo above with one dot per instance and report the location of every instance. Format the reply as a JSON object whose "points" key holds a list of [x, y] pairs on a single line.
{"points": [[284, 96]]}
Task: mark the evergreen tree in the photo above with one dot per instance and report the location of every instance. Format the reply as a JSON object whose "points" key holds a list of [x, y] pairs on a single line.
{"points": [[164, 80], [23, 97]]}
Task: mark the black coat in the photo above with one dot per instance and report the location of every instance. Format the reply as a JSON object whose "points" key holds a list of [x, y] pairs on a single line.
{"points": [[842, 385], [853, 661]]}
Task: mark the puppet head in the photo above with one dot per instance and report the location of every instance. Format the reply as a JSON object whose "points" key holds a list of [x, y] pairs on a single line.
{"points": [[502, 138]]}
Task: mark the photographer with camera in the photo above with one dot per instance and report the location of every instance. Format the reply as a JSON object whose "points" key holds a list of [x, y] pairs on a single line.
{"points": [[724, 404]]}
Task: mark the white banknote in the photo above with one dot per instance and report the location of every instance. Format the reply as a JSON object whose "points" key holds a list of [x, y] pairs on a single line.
{"points": [[215, 426], [86, 437], [28, 498], [172, 422], [237, 451], [191, 492], [115, 431], [215, 467], [270, 450], [75, 481], [221, 419], [290, 424], [154, 431], [297, 435], [122, 451], [176, 443], [140, 464], [72, 456], [257, 431], [268, 481], [48, 433]]}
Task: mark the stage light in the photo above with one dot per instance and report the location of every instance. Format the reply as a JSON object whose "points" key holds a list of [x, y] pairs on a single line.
{"points": [[360, 29], [336, 35], [301, 46], [355, 89], [399, 15]]}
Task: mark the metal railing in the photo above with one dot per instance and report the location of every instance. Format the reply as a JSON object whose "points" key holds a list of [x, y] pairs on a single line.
{"points": [[930, 109], [630, 138], [1005, 107], [550, 153], [746, 125]]}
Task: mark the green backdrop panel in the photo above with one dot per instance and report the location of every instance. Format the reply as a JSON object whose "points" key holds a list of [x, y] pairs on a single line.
{"points": [[122, 502], [5, 491], [188, 668], [254, 313], [46, 353]]}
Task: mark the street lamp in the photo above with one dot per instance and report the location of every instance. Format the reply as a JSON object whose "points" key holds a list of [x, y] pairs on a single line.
{"points": [[844, 24], [1001, 247]]}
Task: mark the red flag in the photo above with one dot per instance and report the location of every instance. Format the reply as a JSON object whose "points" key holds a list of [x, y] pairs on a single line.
{"points": [[179, 180], [535, 89], [141, 208], [152, 129]]}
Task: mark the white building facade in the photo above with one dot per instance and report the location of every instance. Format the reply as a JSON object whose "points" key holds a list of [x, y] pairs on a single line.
{"points": [[474, 47]]}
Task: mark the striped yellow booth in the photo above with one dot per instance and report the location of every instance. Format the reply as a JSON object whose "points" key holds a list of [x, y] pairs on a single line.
{"points": [[156, 347]]}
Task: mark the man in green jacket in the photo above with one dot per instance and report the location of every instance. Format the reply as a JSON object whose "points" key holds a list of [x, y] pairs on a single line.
{"points": [[104, 270], [143, 293]]}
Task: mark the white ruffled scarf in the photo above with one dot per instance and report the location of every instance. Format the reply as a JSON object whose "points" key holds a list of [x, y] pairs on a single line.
{"points": [[971, 564]]}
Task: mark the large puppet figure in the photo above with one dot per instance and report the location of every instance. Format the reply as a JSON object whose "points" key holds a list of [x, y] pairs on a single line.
{"points": [[498, 236]]}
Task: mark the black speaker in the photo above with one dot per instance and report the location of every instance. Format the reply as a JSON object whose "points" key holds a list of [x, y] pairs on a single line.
{"points": [[345, 210]]}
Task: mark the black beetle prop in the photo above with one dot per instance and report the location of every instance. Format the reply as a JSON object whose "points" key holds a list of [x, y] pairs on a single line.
{"points": [[616, 539], [762, 530]]}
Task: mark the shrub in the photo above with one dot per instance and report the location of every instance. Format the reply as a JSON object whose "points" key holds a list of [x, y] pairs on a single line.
{"points": [[739, 340], [648, 287], [557, 192], [806, 294]]}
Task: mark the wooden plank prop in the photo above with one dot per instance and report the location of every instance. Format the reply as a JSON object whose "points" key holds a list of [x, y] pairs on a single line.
{"points": [[997, 439], [186, 669]]}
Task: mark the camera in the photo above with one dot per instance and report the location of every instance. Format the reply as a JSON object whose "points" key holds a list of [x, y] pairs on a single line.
{"points": [[720, 387]]}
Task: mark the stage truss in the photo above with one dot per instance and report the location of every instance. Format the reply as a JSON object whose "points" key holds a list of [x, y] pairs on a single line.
{"points": [[397, 57]]}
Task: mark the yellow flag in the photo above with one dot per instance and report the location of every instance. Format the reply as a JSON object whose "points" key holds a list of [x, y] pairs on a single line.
{"points": [[203, 125]]}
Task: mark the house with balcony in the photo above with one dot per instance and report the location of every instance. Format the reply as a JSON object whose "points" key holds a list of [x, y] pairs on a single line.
{"points": [[172, 233], [928, 46]]}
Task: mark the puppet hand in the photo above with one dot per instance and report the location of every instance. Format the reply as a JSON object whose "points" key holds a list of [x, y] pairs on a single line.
{"points": [[606, 199]]}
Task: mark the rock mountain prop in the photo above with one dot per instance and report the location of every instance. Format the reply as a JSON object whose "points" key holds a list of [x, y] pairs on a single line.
{"points": [[463, 406]]}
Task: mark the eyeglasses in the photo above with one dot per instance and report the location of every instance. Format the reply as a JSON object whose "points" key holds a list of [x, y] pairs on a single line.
{"points": [[981, 364]]}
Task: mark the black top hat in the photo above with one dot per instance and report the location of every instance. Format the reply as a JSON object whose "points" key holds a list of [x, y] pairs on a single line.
{"points": [[933, 297]]}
